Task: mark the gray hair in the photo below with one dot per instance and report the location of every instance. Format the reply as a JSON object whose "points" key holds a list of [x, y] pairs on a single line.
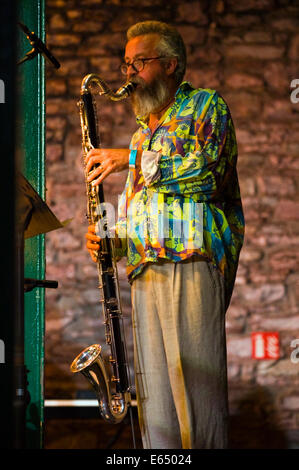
{"points": [[170, 44]]}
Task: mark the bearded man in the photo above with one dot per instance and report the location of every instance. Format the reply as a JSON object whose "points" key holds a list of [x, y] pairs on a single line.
{"points": [[181, 228]]}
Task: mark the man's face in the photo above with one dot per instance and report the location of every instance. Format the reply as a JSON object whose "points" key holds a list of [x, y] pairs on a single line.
{"points": [[153, 86], [143, 47]]}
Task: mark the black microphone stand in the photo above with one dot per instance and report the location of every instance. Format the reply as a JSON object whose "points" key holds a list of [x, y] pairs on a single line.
{"points": [[38, 47]]}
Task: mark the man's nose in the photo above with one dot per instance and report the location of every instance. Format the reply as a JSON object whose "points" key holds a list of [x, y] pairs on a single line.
{"points": [[131, 71]]}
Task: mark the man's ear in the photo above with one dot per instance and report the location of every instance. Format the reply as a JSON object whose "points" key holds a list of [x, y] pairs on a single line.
{"points": [[171, 65]]}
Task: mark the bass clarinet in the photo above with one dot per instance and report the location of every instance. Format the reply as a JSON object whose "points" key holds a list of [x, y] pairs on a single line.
{"points": [[112, 387]]}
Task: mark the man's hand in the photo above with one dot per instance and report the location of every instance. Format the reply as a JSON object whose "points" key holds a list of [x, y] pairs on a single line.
{"points": [[93, 242], [109, 161]]}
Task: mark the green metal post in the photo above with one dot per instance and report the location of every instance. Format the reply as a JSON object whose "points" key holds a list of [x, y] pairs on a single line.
{"points": [[8, 302], [31, 123]]}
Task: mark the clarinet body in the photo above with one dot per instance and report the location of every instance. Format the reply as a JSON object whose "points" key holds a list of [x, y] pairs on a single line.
{"points": [[112, 387]]}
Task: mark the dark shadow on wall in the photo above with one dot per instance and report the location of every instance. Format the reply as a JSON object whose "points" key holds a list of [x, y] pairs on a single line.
{"points": [[84, 429], [255, 424]]}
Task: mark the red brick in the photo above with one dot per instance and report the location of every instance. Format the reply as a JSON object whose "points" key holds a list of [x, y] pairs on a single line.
{"points": [[57, 3], [73, 14], [285, 259], [250, 5], [72, 67], [279, 110], [58, 22], [266, 293], [101, 44], [192, 12], [294, 48], [233, 20], [285, 23], [63, 40], [276, 185], [291, 403], [254, 51], [258, 37], [56, 87], [91, 2], [286, 210], [240, 347], [276, 76], [280, 323], [244, 104], [250, 254], [60, 271], [54, 152], [239, 80], [57, 122], [192, 34], [90, 26]]}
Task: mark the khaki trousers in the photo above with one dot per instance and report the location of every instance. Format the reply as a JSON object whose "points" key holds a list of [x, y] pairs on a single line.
{"points": [[180, 355]]}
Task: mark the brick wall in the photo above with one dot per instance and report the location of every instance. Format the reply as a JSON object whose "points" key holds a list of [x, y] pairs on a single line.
{"points": [[249, 52]]}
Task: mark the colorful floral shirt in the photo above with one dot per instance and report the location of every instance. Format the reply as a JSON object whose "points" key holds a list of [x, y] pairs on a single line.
{"points": [[194, 208]]}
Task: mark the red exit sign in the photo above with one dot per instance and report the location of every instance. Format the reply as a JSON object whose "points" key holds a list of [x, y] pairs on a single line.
{"points": [[265, 345]]}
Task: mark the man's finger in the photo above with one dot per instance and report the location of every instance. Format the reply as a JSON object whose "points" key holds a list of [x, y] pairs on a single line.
{"points": [[105, 173], [96, 172], [91, 153], [92, 228], [93, 160], [93, 256], [92, 246], [92, 237]]}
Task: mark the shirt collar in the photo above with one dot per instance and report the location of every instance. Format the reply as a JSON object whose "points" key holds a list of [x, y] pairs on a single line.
{"points": [[182, 91]]}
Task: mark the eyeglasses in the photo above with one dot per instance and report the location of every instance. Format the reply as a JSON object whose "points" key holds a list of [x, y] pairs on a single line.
{"points": [[137, 64]]}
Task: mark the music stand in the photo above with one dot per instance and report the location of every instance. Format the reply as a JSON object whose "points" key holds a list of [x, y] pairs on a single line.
{"points": [[34, 217]]}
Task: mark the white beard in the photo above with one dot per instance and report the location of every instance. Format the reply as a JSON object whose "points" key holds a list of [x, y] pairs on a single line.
{"points": [[147, 99]]}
